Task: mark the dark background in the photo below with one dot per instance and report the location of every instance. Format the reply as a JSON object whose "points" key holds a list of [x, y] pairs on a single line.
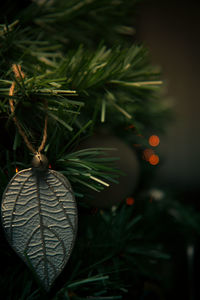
{"points": [[171, 31]]}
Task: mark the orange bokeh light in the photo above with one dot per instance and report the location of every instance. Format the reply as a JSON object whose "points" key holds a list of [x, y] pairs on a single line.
{"points": [[16, 170], [131, 126], [130, 201], [147, 154], [154, 159], [154, 140]]}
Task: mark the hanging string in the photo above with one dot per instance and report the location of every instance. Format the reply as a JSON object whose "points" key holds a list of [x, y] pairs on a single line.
{"points": [[20, 76]]}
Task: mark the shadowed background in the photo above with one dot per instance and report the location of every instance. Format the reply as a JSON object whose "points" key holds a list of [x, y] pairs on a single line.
{"points": [[171, 30]]}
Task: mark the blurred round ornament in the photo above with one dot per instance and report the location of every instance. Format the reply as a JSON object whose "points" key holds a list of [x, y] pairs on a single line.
{"points": [[128, 163]]}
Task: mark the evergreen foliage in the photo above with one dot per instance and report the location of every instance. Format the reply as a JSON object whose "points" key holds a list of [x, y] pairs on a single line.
{"points": [[80, 56]]}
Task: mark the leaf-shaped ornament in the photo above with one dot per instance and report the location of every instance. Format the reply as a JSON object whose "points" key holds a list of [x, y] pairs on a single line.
{"points": [[39, 216]]}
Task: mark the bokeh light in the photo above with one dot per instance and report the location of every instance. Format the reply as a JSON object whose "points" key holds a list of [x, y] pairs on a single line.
{"points": [[131, 126], [130, 201], [154, 159], [147, 154], [154, 140]]}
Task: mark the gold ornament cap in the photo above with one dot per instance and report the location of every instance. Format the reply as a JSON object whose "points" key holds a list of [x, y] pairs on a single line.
{"points": [[40, 162]]}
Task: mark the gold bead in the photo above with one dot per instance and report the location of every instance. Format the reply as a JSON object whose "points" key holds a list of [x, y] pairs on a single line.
{"points": [[40, 161]]}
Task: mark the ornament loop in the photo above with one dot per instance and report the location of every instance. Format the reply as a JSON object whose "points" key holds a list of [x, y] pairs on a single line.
{"points": [[20, 75]]}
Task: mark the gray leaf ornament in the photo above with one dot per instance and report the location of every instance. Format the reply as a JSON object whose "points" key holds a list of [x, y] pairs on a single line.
{"points": [[39, 216]]}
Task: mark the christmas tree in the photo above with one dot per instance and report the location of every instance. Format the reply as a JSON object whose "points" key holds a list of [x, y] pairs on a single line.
{"points": [[77, 86]]}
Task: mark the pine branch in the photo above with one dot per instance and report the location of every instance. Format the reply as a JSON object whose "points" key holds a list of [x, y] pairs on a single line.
{"points": [[89, 168], [110, 20], [105, 71], [85, 82]]}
